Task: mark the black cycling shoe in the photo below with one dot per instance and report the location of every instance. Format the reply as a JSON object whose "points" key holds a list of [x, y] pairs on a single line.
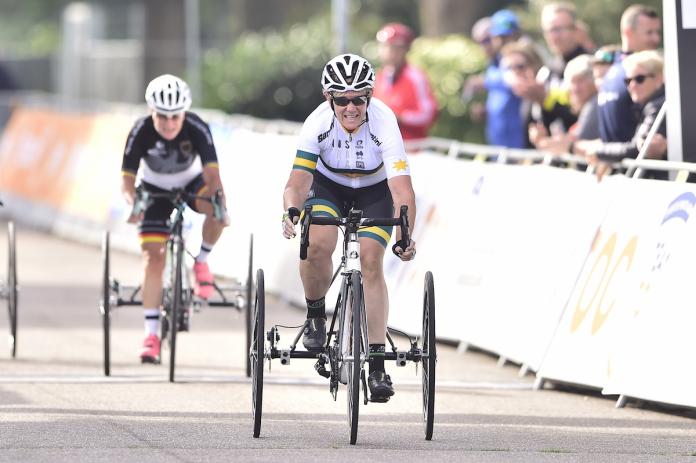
{"points": [[381, 388], [184, 317], [314, 337]]}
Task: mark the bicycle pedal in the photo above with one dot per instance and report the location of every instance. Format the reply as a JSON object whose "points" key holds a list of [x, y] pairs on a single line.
{"points": [[321, 369], [379, 400]]}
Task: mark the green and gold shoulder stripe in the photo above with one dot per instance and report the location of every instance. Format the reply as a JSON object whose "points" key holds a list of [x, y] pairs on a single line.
{"points": [[305, 161]]}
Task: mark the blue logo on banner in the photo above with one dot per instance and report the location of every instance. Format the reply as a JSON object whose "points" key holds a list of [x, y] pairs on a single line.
{"points": [[478, 185], [678, 212], [680, 208]]}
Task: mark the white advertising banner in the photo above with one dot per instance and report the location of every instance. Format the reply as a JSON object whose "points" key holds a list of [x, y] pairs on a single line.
{"points": [[654, 357], [584, 282], [443, 195], [610, 287], [551, 225]]}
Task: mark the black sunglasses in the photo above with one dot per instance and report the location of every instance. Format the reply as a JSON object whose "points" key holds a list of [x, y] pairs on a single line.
{"points": [[516, 67], [639, 78], [343, 100]]}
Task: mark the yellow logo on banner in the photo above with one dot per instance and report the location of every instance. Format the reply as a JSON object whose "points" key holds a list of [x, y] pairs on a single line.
{"points": [[603, 261]]}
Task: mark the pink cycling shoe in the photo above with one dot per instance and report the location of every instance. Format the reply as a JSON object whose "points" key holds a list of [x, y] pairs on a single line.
{"points": [[150, 352], [203, 287]]}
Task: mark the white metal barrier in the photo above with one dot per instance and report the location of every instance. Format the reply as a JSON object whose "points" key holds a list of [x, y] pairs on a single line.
{"points": [[544, 266]]}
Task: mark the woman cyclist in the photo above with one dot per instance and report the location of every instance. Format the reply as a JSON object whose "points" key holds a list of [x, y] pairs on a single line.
{"points": [[350, 154]]}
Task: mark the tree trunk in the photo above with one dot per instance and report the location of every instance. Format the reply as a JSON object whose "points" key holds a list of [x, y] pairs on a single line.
{"points": [[443, 17], [165, 45]]}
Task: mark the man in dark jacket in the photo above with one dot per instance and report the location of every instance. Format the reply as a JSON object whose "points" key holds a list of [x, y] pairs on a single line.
{"points": [[551, 100], [640, 30], [645, 84]]}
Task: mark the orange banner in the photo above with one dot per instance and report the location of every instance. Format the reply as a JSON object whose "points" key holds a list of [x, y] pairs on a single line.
{"points": [[40, 152]]}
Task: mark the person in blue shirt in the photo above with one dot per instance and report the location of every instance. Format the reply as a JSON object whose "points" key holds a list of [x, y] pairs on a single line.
{"points": [[505, 124], [640, 30]]}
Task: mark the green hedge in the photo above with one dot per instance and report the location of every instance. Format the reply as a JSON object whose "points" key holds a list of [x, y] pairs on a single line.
{"points": [[276, 75]]}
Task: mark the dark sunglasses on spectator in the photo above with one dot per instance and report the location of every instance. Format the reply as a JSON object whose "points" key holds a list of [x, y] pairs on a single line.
{"points": [[639, 78], [343, 100], [516, 67], [485, 41]]}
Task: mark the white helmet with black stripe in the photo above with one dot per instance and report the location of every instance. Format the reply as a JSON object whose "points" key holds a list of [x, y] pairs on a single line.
{"points": [[167, 94], [347, 72]]}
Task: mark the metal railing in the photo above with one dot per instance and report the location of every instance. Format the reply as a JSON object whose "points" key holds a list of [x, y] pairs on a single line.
{"points": [[434, 145]]}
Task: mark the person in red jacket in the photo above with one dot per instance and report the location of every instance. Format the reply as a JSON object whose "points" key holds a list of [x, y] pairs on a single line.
{"points": [[403, 87]]}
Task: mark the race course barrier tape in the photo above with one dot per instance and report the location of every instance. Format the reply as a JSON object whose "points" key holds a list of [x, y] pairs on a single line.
{"points": [[583, 282]]}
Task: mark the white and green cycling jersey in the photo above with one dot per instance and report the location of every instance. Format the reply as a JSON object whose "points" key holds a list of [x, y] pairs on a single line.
{"points": [[372, 153]]}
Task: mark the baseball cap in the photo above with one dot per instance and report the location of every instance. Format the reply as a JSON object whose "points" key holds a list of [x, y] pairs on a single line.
{"points": [[604, 55], [396, 33], [504, 22]]}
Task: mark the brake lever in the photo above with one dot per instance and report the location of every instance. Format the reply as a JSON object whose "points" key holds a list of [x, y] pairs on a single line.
{"points": [[304, 231], [142, 202], [219, 210], [403, 219]]}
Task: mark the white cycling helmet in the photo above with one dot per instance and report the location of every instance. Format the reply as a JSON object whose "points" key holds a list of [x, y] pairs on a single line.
{"points": [[167, 94], [347, 72]]}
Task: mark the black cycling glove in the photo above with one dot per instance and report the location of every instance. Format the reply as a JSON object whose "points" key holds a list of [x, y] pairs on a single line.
{"points": [[399, 243]]}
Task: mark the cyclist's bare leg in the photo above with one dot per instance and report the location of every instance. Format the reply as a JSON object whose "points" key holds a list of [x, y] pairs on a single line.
{"points": [[153, 260], [316, 270], [375, 287], [212, 228]]}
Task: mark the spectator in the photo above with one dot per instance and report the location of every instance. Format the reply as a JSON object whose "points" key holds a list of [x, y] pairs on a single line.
{"points": [[640, 30], [505, 125], [602, 60], [403, 87], [645, 84], [559, 24], [481, 33], [476, 84], [579, 79], [520, 64], [583, 36]]}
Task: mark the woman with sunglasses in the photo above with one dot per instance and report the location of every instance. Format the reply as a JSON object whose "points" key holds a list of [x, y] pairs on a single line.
{"points": [[645, 82], [177, 151], [350, 154]]}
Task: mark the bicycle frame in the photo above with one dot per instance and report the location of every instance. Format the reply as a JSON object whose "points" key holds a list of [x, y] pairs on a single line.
{"points": [[351, 271], [177, 298], [347, 347]]}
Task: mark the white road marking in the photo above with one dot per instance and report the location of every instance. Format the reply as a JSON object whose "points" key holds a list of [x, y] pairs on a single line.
{"points": [[275, 380]]}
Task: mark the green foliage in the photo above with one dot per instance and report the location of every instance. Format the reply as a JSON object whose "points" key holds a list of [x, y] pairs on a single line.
{"points": [[273, 75], [30, 27], [601, 16], [448, 61], [277, 75]]}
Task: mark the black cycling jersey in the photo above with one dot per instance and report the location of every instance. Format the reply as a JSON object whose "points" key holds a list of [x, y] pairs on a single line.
{"points": [[168, 156]]}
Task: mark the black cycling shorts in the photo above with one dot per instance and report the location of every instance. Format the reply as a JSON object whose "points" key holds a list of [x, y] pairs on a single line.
{"points": [[329, 199], [155, 225]]}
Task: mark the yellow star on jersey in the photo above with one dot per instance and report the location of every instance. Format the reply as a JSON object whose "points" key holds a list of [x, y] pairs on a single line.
{"points": [[401, 164]]}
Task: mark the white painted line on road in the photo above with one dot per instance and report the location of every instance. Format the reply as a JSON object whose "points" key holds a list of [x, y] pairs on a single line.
{"points": [[277, 380]]}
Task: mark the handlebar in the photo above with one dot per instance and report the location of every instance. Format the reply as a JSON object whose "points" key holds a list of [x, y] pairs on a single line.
{"points": [[354, 218], [144, 199]]}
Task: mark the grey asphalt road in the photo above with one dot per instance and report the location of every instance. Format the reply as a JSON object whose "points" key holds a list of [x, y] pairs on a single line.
{"points": [[56, 405]]}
